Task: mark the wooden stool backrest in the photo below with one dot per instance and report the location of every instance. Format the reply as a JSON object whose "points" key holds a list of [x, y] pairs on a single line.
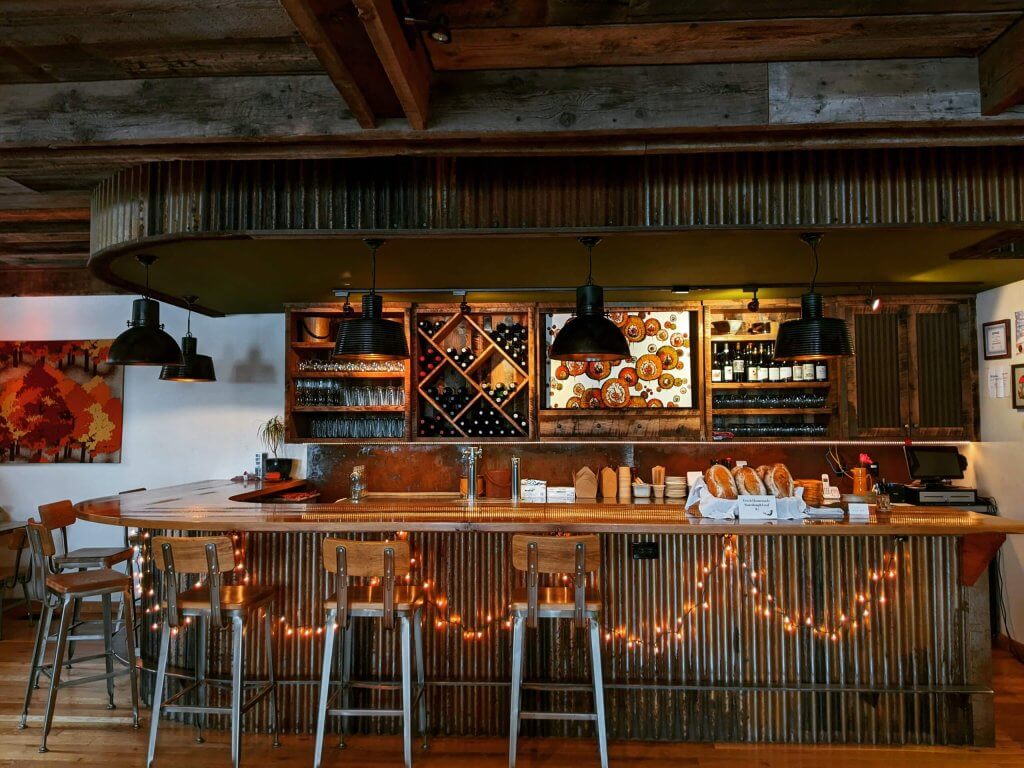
{"points": [[40, 539], [58, 515], [16, 539], [368, 559], [199, 554], [578, 555]]}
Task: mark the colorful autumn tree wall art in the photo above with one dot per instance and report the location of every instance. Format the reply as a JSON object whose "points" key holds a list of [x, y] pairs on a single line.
{"points": [[59, 402]]}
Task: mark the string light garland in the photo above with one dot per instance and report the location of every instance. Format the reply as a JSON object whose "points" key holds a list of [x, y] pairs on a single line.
{"points": [[865, 605]]}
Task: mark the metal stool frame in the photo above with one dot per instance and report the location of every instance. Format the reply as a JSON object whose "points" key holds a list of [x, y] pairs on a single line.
{"points": [[42, 546], [558, 554], [204, 617], [370, 559]]}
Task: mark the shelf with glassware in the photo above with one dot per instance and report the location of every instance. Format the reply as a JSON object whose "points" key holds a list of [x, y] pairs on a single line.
{"points": [[473, 369], [654, 393], [328, 400], [752, 395]]}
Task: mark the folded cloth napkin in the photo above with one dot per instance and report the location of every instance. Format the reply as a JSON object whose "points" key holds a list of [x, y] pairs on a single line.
{"points": [[701, 503]]}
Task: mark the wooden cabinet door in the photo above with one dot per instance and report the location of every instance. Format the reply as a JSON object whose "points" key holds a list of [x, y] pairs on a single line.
{"points": [[941, 376], [877, 395]]}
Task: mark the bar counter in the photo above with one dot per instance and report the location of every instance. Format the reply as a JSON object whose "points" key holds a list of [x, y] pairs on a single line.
{"points": [[789, 631]]}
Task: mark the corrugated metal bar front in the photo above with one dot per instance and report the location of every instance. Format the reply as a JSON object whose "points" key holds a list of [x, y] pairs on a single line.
{"points": [[824, 639]]}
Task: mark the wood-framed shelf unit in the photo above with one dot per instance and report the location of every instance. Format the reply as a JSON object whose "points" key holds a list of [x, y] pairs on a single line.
{"points": [[332, 423], [474, 372], [731, 323]]}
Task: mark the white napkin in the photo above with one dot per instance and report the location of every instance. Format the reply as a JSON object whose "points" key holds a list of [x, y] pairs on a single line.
{"points": [[710, 506], [792, 507]]}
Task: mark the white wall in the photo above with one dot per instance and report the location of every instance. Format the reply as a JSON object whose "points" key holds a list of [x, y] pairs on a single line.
{"points": [[173, 433], [999, 457]]}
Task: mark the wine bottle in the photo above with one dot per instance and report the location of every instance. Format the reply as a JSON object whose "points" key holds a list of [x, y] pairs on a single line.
{"points": [[716, 363], [763, 363], [738, 363], [820, 371]]}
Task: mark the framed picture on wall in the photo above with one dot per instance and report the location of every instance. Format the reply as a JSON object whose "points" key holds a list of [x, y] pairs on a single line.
{"points": [[1017, 385], [996, 338]]}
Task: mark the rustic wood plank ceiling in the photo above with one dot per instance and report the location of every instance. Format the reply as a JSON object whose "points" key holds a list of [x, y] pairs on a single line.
{"points": [[87, 88]]}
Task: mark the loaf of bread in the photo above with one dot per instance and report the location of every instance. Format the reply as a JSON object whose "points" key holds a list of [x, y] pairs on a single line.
{"points": [[719, 481], [748, 483], [763, 470], [778, 481]]}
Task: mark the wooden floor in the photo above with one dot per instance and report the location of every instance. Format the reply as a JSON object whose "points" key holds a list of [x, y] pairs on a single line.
{"points": [[85, 733]]}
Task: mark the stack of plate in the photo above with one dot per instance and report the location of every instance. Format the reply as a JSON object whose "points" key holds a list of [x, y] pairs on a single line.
{"points": [[675, 487]]}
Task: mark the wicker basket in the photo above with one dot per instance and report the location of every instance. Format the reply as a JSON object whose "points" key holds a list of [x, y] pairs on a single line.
{"points": [[814, 492]]}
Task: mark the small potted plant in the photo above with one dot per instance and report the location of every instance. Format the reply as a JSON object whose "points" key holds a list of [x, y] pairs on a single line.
{"points": [[271, 435]]}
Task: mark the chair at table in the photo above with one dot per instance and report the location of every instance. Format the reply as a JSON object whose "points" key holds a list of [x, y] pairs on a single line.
{"points": [[214, 605], [60, 593], [578, 555], [14, 576], [385, 561]]}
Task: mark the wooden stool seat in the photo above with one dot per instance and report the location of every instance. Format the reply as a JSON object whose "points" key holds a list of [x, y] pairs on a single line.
{"points": [[372, 599], [556, 599], [232, 598], [93, 557], [85, 583]]}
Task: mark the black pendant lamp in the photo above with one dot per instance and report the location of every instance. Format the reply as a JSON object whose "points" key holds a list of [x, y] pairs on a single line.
{"points": [[145, 342], [194, 367], [812, 337], [370, 336], [590, 336]]}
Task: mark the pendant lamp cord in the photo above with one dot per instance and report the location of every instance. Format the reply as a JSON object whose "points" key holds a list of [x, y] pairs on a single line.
{"points": [[814, 277], [590, 264], [373, 269]]}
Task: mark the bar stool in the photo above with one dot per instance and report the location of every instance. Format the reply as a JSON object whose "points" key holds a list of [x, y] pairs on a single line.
{"points": [[384, 561], [59, 516], [13, 576], [578, 555], [63, 591], [209, 606]]}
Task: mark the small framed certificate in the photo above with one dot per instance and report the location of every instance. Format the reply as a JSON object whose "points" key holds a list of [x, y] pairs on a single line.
{"points": [[996, 338]]}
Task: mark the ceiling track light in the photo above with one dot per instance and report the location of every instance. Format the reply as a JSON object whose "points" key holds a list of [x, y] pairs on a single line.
{"points": [[813, 336], [194, 367], [754, 304], [590, 336], [145, 342], [872, 302], [370, 336]]}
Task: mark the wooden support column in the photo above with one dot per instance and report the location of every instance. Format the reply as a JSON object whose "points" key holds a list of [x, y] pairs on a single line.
{"points": [[1001, 71], [407, 68]]}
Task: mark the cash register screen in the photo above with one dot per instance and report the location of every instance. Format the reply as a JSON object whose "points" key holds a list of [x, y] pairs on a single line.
{"points": [[934, 462]]}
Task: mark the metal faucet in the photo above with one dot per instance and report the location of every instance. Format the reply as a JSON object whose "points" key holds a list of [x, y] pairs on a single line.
{"points": [[515, 479], [471, 454], [357, 482]]}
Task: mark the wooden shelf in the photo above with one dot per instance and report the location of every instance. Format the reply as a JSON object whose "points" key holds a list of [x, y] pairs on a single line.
{"points": [[312, 345], [348, 409], [348, 375], [730, 338], [770, 385], [771, 411]]}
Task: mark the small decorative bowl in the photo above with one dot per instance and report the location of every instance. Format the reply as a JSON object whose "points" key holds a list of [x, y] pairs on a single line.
{"points": [[641, 491]]}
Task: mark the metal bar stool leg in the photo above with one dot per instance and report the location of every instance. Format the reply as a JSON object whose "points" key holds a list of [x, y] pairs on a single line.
{"points": [[598, 679], [417, 632], [237, 683], [270, 676], [38, 656], [158, 691], [66, 614], [201, 690], [406, 641], [348, 639], [518, 632], [28, 602], [108, 649], [325, 687], [133, 669]]}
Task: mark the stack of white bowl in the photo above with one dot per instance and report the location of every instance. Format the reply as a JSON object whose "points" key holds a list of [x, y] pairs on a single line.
{"points": [[675, 487]]}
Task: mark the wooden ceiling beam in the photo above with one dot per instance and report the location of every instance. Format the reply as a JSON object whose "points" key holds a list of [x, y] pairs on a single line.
{"points": [[52, 281], [1001, 71], [407, 67], [791, 39], [316, 36]]}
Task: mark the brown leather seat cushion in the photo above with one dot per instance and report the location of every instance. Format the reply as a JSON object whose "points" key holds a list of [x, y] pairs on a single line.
{"points": [[99, 579], [232, 598], [372, 598], [556, 597], [93, 557]]}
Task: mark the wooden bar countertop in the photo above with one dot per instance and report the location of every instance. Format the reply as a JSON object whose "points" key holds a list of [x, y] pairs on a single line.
{"points": [[219, 505]]}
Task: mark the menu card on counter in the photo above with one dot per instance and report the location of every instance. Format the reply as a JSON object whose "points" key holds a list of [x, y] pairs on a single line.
{"points": [[757, 508]]}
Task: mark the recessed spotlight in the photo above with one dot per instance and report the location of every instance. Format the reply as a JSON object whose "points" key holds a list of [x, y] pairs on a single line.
{"points": [[682, 289]]}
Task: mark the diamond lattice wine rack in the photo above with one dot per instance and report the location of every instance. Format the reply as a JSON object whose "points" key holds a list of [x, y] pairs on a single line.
{"points": [[474, 372]]}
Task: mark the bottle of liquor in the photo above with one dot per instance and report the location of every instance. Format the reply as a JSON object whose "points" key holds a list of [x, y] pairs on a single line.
{"points": [[820, 371], [738, 363], [716, 362]]}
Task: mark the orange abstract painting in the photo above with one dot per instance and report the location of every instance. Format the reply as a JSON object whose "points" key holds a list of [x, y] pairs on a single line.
{"points": [[60, 402]]}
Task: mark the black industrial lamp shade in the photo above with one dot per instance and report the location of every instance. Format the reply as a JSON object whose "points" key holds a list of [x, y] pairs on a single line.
{"points": [[590, 336], [145, 342], [812, 337], [370, 336], [194, 367]]}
